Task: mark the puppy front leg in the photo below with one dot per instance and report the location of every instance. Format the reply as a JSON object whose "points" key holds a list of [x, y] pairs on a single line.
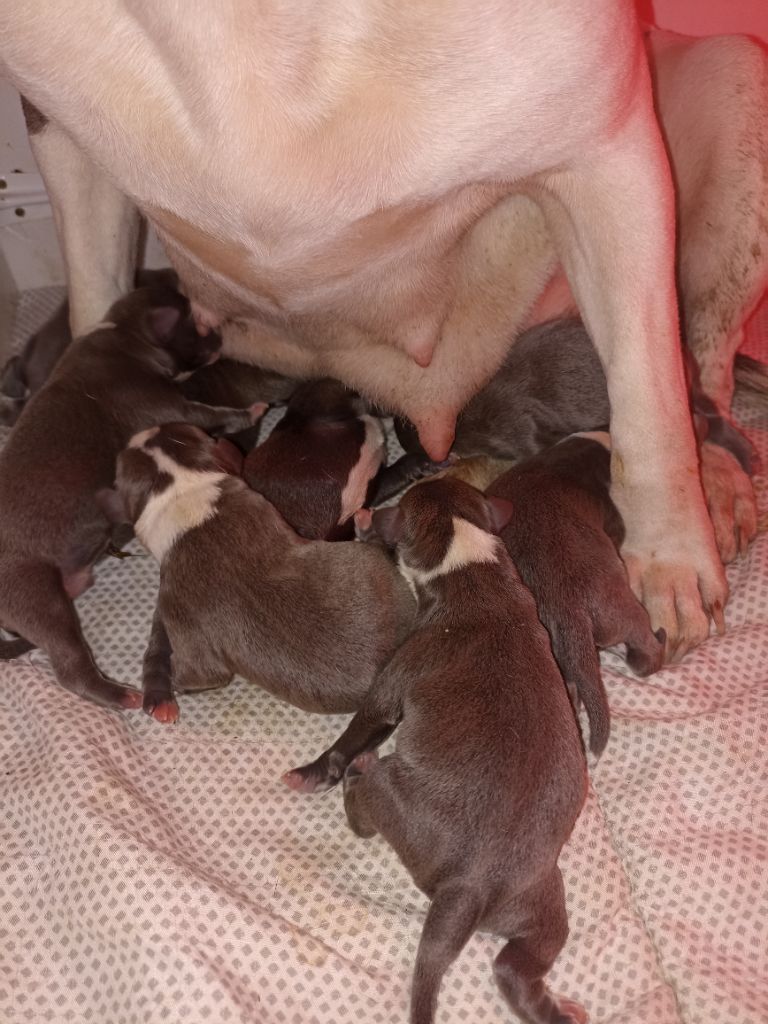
{"points": [[97, 226], [222, 419], [612, 218], [376, 720], [159, 702]]}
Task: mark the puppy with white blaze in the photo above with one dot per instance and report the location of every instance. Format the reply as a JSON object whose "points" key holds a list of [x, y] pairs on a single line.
{"points": [[489, 773], [241, 593], [381, 192]]}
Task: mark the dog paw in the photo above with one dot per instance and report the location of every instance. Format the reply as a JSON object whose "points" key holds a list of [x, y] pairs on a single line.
{"points": [[320, 775], [680, 594], [730, 499]]}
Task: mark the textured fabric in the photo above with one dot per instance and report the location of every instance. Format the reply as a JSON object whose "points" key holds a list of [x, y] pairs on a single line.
{"points": [[156, 874]]}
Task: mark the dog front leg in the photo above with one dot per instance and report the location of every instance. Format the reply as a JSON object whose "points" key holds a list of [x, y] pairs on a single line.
{"points": [[613, 220], [97, 226]]}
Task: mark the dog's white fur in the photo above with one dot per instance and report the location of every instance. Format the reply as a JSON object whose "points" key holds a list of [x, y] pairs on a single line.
{"points": [[189, 500], [380, 192], [469, 546]]}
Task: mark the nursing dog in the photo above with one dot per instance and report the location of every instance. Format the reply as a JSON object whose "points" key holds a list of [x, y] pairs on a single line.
{"points": [[241, 593], [402, 213], [488, 775], [62, 451]]}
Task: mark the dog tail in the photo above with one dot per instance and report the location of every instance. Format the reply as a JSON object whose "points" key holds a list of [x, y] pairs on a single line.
{"points": [[750, 374], [451, 920], [576, 655], [10, 649]]}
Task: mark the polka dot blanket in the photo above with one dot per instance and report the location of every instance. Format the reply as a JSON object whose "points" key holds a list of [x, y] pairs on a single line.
{"points": [[165, 875]]}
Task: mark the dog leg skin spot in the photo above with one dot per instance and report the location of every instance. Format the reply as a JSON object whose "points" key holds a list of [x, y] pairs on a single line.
{"points": [[364, 762], [730, 500]]}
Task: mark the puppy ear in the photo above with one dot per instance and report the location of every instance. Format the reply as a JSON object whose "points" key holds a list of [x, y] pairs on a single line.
{"points": [[228, 456], [389, 523], [163, 322], [112, 505], [501, 512]]}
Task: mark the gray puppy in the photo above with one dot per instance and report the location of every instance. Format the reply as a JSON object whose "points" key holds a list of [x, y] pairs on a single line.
{"points": [[489, 773], [564, 538], [62, 451], [241, 593]]}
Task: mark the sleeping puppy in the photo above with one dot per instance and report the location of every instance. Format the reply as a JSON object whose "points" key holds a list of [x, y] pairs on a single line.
{"points": [[564, 538], [114, 381], [552, 384], [242, 593], [489, 774], [317, 464]]}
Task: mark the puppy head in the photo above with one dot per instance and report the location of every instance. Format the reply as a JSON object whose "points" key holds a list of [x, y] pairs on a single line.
{"points": [[325, 399], [442, 525], [162, 316], [154, 459]]}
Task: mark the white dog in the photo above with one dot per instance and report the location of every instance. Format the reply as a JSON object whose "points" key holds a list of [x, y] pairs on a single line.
{"points": [[381, 192]]}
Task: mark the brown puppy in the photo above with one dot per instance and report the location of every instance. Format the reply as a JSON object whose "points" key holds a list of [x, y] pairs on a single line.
{"points": [[242, 593], [564, 538], [317, 464], [225, 382], [108, 384], [489, 773]]}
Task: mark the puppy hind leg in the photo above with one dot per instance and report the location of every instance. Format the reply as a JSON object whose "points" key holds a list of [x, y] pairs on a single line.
{"points": [[452, 918], [521, 966], [39, 607], [624, 620]]}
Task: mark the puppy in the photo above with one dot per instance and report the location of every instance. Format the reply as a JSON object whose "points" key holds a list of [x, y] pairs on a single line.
{"points": [[551, 385], [318, 463], [224, 382], [242, 593], [114, 381], [489, 774], [564, 538]]}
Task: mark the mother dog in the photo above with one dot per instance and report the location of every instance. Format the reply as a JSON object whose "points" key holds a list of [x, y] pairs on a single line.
{"points": [[379, 192]]}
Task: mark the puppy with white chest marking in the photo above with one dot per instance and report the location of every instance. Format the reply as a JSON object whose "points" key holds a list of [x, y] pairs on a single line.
{"points": [[242, 593], [489, 774], [318, 463], [564, 538], [114, 381]]}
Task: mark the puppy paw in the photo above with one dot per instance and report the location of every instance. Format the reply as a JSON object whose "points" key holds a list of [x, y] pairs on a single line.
{"points": [[257, 410], [129, 698], [730, 499], [320, 775], [570, 1012], [163, 711]]}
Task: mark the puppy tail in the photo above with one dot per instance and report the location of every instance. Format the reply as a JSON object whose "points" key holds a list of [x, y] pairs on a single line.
{"points": [[451, 920], [750, 374], [576, 655]]}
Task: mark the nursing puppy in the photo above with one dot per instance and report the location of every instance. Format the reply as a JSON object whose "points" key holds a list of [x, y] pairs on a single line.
{"points": [[564, 538], [489, 773], [317, 465], [242, 593], [552, 384], [225, 382], [114, 381]]}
